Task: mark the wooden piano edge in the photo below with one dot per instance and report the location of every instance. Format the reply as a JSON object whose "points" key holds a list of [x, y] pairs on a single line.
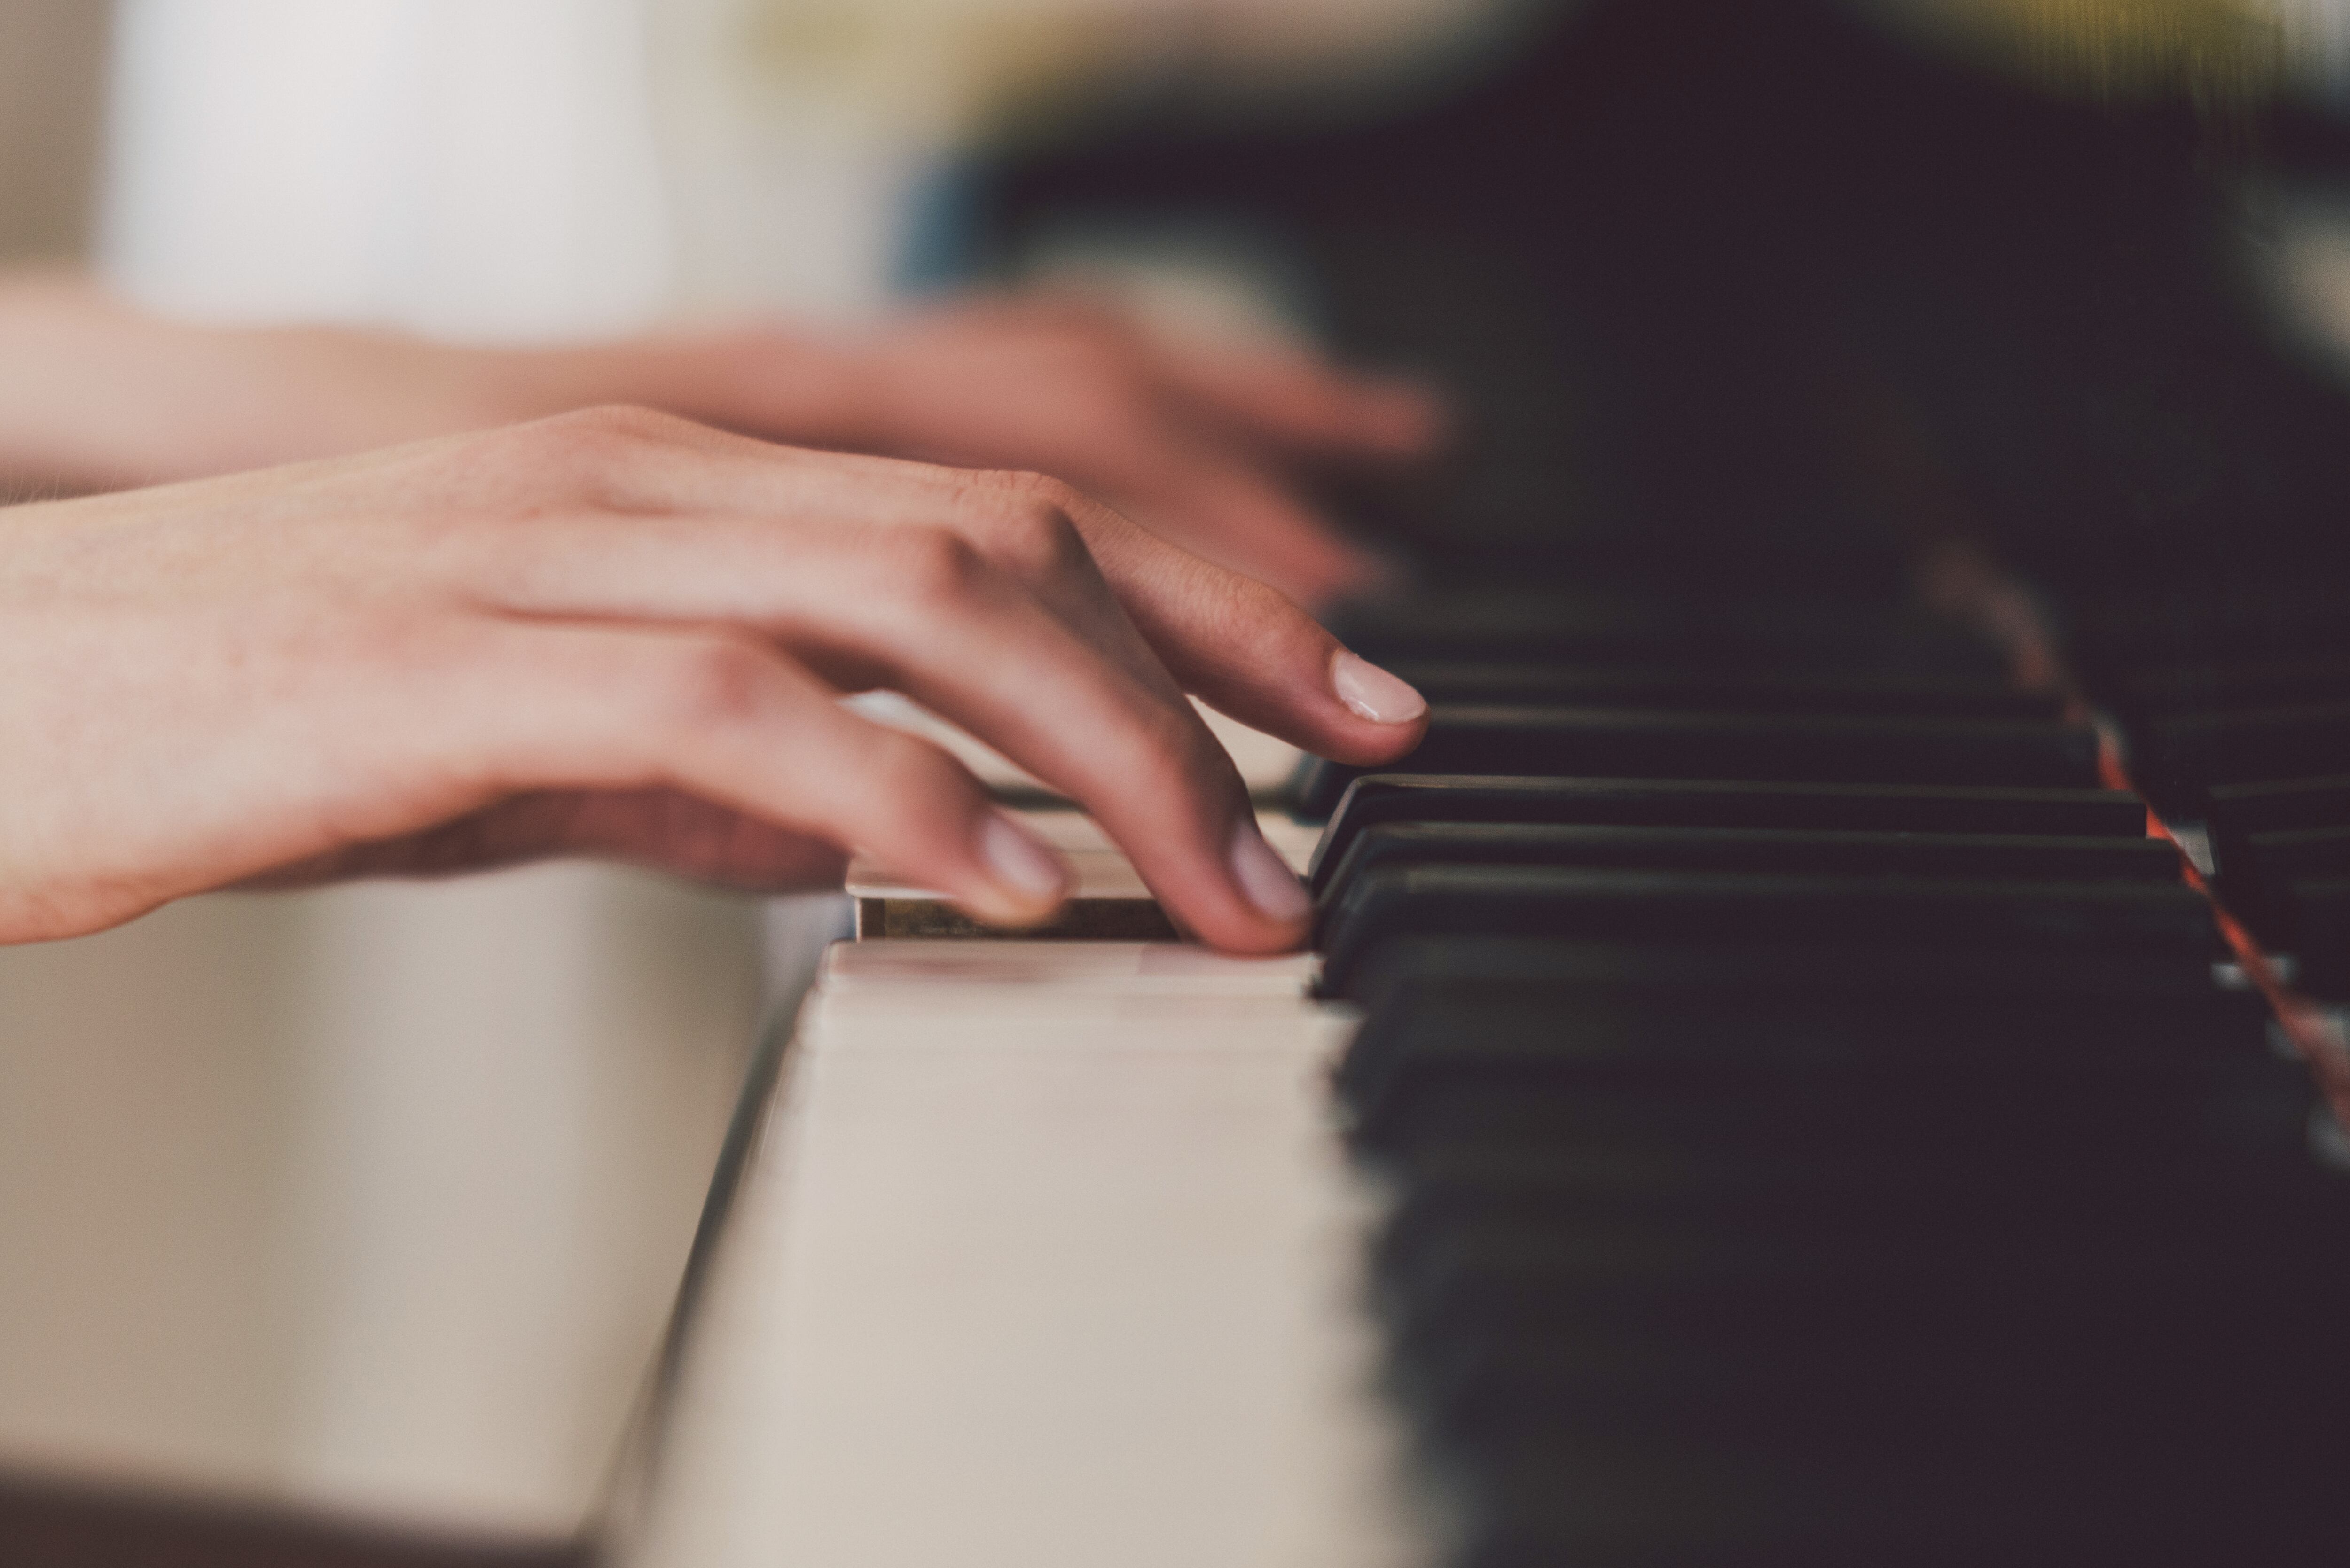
{"points": [[57, 1522], [635, 1468]]}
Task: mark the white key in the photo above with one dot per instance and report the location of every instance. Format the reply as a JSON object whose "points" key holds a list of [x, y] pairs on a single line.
{"points": [[1023, 971], [1058, 1289], [1264, 763]]}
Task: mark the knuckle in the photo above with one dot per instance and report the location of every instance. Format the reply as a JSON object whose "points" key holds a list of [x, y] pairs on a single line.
{"points": [[1171, 744], [711, 681], [1023, 488], [906, 777], [1024, 498], [934, 568], [1034, 538], [590, 449]]}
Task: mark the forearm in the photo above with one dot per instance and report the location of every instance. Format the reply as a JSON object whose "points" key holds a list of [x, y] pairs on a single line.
{"points": [[95, 394]]}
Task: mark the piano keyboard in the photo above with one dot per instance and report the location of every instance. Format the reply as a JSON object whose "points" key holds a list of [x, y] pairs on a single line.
{"points": [[1758, 1097]]}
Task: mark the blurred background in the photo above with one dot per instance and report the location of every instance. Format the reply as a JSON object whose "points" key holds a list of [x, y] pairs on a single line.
{"points": [[374, 1200]]}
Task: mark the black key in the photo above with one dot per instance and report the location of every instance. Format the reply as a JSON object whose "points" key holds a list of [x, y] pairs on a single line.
{"points": [[2262, 683], [1723, 691], [2321, 922], [2256, 881], [2233, 813], [2272, 804], [1805, 1274], [1919, 1379], [1528, 970], [2250, 623], [2180, 757], [1378, 798], [1780, 850], [2091, 1491], [1780, 633], [1612, 742], [1700, 909], [1770, 1076], [1442, 1183]]}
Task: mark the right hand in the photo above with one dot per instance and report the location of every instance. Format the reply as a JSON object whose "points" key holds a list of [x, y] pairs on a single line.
{"points": [[620, 633]]}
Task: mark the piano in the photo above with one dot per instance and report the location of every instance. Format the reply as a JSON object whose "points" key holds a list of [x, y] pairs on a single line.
{"points": [[1836, 1049]]}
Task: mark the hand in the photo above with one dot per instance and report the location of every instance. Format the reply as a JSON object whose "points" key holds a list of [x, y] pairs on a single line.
{"points": [[1190, 440], [619, 633]]}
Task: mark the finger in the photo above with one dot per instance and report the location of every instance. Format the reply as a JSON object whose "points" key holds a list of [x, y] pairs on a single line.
{"points": [[778, 499], [1247, 650], [921, 610], [662, 829], [1291, 400], [1243, 648], [729, 721], [1230, 514], [1271, 393]]}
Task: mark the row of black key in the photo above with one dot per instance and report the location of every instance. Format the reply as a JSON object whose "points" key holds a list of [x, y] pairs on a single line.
{"points": [[1860, 1165], [2235, 709]]}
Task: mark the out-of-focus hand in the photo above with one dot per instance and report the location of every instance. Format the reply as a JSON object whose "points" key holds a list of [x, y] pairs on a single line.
{"points": [[1194, 441], [620, 633]]}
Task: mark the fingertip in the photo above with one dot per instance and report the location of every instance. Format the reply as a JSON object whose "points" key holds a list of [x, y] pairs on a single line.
{"points": [[1372, 693], [1025, 883], [1273, 912], [1384, 716], [1265, 880]]}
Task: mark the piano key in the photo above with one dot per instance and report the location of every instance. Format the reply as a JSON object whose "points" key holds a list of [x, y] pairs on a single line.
{"points": [[1626, 1030], [1926, 855], [2188, 624], [1109, 899], [1608, 1271], [1377, 798], [1439, 1184], [1832, 1082], [1921, 1379], [2262, 868], [2179, 756], [2206, 685], [1265, 765], [961, 1254], [1507, 968], [2231, 813], [1560, 628], [1608, 742], [1029, 970], [2272, 805], [1637, 907], [1747, 691], [1634, 1495], [2321, 924]]}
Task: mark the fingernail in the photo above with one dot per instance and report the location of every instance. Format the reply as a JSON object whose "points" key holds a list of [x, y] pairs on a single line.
{"points": [[1266, 878], [1022, 866], [1372, 693]]}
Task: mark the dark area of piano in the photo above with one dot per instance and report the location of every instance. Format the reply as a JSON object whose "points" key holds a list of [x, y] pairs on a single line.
{"points": [[1818, 1128]]}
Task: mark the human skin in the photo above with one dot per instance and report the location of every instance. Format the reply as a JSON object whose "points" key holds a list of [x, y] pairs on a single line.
{"points": [[618, 633], [1197, 443]]}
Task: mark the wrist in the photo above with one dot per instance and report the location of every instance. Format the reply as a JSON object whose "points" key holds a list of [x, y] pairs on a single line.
{"points": [[759, 380]]}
